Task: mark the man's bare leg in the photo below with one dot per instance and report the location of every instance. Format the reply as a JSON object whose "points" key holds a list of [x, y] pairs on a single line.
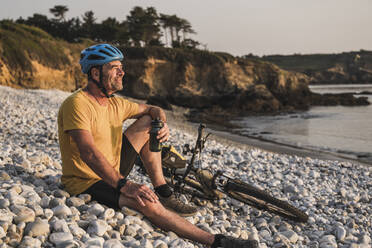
{"points": [[168, 220], [138, 136]]}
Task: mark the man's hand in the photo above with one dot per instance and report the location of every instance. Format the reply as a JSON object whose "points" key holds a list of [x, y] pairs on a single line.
{"points": [[157, 112], [163, 134], [139, 192]]}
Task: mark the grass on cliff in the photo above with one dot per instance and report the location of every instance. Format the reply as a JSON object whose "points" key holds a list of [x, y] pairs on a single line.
{"points": [[21, 43]]}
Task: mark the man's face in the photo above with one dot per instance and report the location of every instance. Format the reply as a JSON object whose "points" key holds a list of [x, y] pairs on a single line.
{"points": [[112, 76]]}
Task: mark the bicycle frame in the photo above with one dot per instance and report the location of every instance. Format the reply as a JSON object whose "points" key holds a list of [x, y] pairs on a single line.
{"points": [[199, 145], [204, 184], [204, 181]]}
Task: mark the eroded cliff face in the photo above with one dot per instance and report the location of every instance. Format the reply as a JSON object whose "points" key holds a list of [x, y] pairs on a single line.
{"points": [[249, 85], [67, 77], [31, 58]]}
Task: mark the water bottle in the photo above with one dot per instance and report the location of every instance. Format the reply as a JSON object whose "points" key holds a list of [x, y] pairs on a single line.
{"points": [[155, 145]]}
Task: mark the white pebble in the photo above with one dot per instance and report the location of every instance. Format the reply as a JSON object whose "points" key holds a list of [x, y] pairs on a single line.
{"points": [[96, 209], [112, 243], [23, 214], [60, 237], [37, 228], [61, 211], [97, 227], [2, 233]]}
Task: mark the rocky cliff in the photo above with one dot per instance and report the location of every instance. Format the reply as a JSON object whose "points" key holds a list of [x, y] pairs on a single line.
{"points": [[229, 83], [30, 58]]}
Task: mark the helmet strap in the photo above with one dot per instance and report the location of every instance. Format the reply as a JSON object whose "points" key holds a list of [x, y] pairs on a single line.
{"points": [[100, 83]]}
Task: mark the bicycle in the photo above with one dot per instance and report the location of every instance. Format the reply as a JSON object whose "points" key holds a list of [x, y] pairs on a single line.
{"points": [[204, 184]]}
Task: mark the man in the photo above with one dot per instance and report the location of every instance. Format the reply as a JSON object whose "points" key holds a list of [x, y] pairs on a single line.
{"points": [[97, 157]]}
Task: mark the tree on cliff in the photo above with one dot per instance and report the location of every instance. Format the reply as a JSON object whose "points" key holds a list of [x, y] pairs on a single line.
{"points": [[88, 26], [174, 25], [111, 30], [143, 26], [59, 12], [165, 24], [38, 20], [184, 26], [68, 30]]}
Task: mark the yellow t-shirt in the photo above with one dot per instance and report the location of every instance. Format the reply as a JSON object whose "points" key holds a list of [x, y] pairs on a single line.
{"points": [[105, 123]]}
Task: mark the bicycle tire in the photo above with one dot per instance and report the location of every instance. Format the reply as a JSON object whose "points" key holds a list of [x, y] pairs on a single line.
{"points": [[262, 200]]}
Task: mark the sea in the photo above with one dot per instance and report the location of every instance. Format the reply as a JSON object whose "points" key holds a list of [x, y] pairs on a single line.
{"points": [[346, 131]]}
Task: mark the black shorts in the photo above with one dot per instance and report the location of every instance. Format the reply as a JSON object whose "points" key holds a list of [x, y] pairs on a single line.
{"points": [[101, 191]]}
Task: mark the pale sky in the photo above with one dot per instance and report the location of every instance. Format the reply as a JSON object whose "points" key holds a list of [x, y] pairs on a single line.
{"points": [[239, 27]]}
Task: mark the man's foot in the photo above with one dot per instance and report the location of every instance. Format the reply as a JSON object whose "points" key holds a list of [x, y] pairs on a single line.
{"points": [[231, 242], [174, 204]]}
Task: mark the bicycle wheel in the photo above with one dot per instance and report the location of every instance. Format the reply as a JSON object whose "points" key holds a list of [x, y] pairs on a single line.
{"points": [[262, 200]]}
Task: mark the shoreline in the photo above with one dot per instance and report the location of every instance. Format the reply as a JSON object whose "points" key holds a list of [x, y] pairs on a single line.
{"points": [[281, 148], [177, 120], [270, 146]]}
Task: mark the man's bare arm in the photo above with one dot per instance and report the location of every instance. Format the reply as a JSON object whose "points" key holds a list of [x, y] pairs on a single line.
{"points": [[153, 111], [99, 164], [93, 157]]}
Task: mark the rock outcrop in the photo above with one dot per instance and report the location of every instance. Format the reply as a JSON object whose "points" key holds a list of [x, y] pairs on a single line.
{"points": [[231, 84]]}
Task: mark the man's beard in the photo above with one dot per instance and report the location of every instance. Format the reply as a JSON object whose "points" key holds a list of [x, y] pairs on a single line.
{"points": [[114, 84]]}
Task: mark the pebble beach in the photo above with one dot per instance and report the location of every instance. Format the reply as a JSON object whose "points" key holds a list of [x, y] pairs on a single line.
{"points": [[35, 210]]}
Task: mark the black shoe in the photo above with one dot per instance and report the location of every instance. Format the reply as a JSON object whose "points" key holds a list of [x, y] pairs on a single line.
{"points": [[231, 242]]}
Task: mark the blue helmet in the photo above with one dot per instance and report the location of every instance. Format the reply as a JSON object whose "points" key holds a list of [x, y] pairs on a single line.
{"points": [[98, 55]]}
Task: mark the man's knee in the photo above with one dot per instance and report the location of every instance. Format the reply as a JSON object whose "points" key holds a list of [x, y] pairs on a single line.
{"points": [[152, 209], [142, 125]]}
